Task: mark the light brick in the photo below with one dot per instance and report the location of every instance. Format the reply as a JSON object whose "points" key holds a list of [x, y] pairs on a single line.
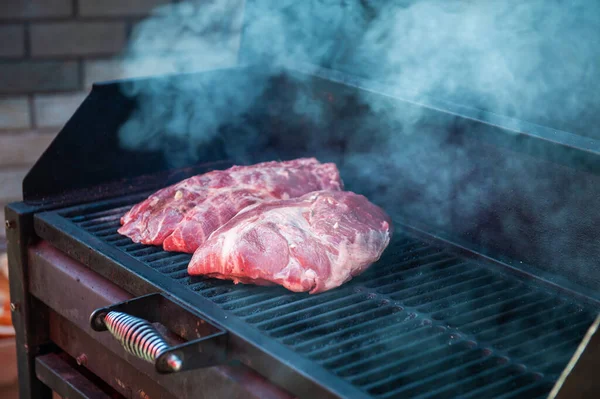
{"points": [[105, 70], [35, 8], [13, 40], [14, 113], [101, 71], [11, 181], [30, 76], [94, 8], [56, 109], [23, 148], [77, 38]]}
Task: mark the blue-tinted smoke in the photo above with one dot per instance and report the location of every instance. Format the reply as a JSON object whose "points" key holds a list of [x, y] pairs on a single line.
{"points": [[535, 61]]}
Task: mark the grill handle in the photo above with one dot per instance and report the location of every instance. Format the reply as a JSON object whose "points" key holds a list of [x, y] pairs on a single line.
{"points": [[141, 339], [130, 323]]}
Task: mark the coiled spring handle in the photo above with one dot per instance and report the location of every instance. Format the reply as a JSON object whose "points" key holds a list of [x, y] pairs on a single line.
{"points": [[140, 338], [128, 323]]}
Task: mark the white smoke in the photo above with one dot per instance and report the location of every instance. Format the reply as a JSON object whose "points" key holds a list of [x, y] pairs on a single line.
{"points": [[535, 61], [532, 59]]}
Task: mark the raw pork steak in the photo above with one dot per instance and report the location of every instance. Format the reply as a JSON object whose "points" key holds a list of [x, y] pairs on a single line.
{"points": [[217, 196], [313, 243], [211, 214]]}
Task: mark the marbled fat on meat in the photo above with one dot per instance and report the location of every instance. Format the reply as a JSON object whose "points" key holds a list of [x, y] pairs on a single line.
{"points": [[182, 216], [313, 243]]}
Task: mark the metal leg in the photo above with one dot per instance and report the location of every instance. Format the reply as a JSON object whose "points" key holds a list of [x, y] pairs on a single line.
{"points": [[29, 315]]}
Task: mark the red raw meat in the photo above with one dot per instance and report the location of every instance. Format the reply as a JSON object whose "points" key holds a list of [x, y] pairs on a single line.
{"points": [[313, 243], [217, 196], [215, 211]]}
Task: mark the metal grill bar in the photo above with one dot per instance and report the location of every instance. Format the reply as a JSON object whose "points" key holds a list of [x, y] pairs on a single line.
{"points": [[377, 323], [354, 362], [439, 270], [384, 374], [420, 323], [536, 390], [343, 323], [370, 344], [455, 294]]}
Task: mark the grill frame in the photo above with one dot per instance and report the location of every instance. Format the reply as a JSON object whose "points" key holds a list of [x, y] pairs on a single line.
{"points": [[271, 358]]}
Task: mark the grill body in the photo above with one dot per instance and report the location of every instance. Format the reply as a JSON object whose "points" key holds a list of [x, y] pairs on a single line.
{"points": [[424, 321], [459, 306]]}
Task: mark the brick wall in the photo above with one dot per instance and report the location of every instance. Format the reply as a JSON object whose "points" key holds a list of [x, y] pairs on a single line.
{"points": [[51, 52]]}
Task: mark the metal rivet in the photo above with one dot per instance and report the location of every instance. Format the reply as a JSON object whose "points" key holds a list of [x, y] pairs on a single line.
{"points": [[81, 359], [10, 224]]}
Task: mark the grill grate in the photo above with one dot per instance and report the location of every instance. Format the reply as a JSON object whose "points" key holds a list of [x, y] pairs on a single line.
{"points": [[420, 323]]}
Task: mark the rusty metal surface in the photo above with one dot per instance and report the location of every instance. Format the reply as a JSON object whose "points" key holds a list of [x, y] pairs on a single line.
{"points": [[66, 381], [580, 377], [74, 291], [29, 316]]}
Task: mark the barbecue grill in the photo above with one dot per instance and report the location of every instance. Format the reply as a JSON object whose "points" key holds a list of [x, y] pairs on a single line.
{"points": [[482, 297]]}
